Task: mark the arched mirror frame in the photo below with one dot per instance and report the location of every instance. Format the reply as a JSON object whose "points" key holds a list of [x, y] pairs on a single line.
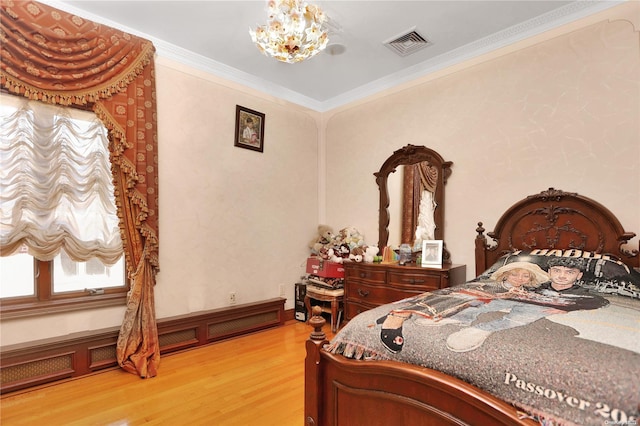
{"points": [[408, 155]]}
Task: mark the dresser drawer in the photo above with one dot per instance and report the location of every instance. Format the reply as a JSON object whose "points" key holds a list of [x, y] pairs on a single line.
{"points": [[362, 273], [408, 279], [376, 295], [354, 308], [367, 286]]}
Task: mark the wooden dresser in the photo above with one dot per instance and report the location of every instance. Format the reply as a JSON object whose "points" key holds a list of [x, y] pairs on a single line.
{"points": [[367, 285]]}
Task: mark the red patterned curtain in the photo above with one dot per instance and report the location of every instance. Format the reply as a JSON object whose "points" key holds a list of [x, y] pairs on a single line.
{"points": [[60, 58]]}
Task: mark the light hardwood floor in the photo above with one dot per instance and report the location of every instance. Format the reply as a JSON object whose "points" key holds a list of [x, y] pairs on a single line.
{"points": [[251, 380]]}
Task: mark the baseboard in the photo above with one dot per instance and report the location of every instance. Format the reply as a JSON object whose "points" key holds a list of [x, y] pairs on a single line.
{"points": [[289, 315], [45, 361]]}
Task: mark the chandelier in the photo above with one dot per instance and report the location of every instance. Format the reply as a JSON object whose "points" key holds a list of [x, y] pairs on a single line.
{"points": [[294, 31]]}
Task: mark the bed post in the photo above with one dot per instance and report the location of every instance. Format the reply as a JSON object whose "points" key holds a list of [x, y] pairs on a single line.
{"points": [[312, 374], [481, 247]]}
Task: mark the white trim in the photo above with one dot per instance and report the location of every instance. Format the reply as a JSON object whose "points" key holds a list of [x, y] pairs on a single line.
{"points": [[566, 14]]}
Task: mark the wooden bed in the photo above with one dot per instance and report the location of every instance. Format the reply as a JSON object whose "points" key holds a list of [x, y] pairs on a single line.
{"points": [[341, 391]]}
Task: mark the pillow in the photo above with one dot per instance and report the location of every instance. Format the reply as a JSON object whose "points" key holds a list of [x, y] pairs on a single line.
{"points": [[601, 272]]}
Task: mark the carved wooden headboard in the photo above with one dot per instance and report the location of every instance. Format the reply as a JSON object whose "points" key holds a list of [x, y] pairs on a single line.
{"points": [[557, 220]]}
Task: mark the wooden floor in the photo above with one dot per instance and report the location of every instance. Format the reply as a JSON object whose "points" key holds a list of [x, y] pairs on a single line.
{"points": [[252, 380]]}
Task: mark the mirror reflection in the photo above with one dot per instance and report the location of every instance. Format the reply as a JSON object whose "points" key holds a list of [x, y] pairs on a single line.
{"points": [[396, 209], [419, 204]]}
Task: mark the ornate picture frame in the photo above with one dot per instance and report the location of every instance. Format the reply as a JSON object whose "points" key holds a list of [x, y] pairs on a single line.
{"points": [[431, 254], [249, 129]]}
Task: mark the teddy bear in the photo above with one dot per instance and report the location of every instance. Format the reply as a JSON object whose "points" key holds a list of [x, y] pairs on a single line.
{"points": [[370, 253], [325, 237]]}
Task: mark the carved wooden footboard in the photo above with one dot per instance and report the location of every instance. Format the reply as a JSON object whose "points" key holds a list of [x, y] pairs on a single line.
{"points": [[341, 391]]}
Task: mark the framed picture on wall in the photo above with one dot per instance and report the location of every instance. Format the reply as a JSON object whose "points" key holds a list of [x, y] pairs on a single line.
{"points": [[249, 129], [432, 254]]}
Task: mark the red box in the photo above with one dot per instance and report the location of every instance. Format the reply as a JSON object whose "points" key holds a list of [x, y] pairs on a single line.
{"points": [[324, 268]]}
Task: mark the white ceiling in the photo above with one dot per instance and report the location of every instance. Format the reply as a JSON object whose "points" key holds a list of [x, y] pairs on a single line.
{"points": [[213, 36]]}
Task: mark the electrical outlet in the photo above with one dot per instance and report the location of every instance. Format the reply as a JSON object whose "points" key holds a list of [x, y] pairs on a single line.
{"points": [[232, 298], [282, 290]]}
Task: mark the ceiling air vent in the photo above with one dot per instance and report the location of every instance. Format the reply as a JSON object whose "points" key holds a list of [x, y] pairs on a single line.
{"points": [[407, 43]]}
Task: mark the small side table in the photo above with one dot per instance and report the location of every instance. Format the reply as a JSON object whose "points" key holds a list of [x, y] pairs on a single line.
{"points": [[335, 297]]}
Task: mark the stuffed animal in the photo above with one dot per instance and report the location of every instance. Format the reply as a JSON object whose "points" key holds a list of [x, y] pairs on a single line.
{"points": [[370, 253], [343, 251], [350, 236], [324, 238], [356, 254], [334, 256], [325, 253]]}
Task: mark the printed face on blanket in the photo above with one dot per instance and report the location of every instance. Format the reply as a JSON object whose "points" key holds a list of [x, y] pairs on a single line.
{"points": [[521, 289]]}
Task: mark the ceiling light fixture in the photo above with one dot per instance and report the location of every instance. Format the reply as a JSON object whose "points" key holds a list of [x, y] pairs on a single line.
{"points": [[295, 31]]}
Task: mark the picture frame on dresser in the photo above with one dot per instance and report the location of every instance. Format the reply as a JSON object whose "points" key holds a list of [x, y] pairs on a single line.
{"points": [[431, 254]]}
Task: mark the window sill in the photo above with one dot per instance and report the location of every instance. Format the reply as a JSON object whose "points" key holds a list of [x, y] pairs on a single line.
{"points": [[36, 309]]}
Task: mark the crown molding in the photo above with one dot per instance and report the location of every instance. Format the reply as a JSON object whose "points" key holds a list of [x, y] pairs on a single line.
{"points": [[558, 17], [561, 16]]}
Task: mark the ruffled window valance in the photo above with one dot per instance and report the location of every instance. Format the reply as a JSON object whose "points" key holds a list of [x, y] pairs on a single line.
{"points": [[60, 58]]}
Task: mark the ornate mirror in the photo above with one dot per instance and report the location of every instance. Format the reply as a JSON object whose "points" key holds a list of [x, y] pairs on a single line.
{"points": [[424, 174]]}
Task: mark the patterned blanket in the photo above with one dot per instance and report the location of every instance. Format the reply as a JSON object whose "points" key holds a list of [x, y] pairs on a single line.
{"points": [[562, 366]]}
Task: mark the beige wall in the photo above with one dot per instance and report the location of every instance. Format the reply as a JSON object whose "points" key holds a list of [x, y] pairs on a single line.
{"points": [[232, 220], [561, 110]]}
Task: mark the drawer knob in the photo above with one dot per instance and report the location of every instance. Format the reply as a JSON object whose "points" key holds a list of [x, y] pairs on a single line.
{"points": [[412, 281], [363, 293], [363, 275]]}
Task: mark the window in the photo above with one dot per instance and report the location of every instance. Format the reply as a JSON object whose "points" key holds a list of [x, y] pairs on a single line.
{"points": [[57, 207]]}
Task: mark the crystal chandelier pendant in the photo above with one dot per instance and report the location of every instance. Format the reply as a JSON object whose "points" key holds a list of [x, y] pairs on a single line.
{"points": [[295, 31]]}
